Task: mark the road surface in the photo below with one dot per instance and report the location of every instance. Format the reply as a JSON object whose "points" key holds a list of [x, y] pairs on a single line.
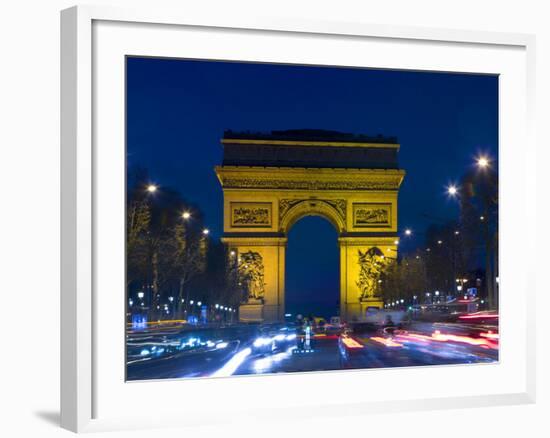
{"points": [[217, 352]]}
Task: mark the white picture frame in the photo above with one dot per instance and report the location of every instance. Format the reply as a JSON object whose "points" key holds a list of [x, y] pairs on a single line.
{"points": [[86, 404]]}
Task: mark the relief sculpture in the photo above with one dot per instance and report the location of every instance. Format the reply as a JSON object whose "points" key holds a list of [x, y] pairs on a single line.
{"points": [[251, 275], [371, 215], [372, 265]]}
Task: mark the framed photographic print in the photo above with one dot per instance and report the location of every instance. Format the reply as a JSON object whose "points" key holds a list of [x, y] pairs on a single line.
{"points": [[252, 206]]}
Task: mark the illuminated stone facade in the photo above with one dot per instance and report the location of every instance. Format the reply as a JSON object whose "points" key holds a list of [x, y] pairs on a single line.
{"points": [[270, 181]]}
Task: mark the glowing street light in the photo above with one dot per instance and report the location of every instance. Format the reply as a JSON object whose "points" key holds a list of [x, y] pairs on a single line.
{"points": [[206, 231], [186, 215], [140, 295], [452, 190], [152, 188], [482, 162], [439, 242], [199, 303], [408, 232]]}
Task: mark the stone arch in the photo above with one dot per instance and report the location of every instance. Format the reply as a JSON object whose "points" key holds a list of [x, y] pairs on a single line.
{"points": [[270, 181], [312, 207]]}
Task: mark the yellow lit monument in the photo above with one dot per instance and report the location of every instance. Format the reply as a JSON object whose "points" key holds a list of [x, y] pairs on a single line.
{"points": [[270, 181]]}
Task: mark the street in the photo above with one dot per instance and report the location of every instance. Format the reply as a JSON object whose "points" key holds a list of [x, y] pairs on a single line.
{"points": [[182, 352]]}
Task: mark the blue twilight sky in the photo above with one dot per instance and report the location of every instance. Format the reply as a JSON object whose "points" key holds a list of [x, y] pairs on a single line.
{"points": [[177, 111]]}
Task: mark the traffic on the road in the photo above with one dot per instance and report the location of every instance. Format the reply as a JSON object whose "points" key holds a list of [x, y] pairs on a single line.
{"points": [[388, 339]]}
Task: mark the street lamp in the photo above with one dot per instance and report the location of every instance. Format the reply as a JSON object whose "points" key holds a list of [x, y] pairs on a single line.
{"points": [[482, 162], [152, 188], [206, 231], [140, 295], [186, 215], [452, 190], [199, 303], [408, 232]]}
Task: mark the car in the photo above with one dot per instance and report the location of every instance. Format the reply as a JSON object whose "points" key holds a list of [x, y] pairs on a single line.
{"points": [[274, 337], [284, 337]]}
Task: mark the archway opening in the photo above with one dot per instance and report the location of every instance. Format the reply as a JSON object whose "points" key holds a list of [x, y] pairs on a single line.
{"points": [[312, 286]]}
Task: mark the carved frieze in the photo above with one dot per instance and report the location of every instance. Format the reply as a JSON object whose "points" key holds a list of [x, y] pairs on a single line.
{"points": [[251, 214], [382, 184], [372, 215]]}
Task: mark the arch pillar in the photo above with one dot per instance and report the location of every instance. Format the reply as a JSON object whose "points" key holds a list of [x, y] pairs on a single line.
{"points": [[268, 254], [354, 300]]}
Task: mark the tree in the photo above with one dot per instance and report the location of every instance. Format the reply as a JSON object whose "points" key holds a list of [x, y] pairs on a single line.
{"points": [[165, 251], [404, 278], [479, 216]]}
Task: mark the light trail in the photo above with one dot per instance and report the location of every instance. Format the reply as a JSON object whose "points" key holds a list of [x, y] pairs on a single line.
{"points": [[232, 364], [351, 343], [388, 342], [440, 337]]}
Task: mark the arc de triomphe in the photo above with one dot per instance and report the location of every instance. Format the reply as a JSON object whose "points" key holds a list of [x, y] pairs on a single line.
{"points": [[272, 180]]}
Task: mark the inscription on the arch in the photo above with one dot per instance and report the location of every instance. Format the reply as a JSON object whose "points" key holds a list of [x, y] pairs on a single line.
{"points": [[251, 214]]}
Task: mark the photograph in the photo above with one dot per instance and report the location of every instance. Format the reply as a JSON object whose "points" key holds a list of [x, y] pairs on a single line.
{"points": [[285, 218]]}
